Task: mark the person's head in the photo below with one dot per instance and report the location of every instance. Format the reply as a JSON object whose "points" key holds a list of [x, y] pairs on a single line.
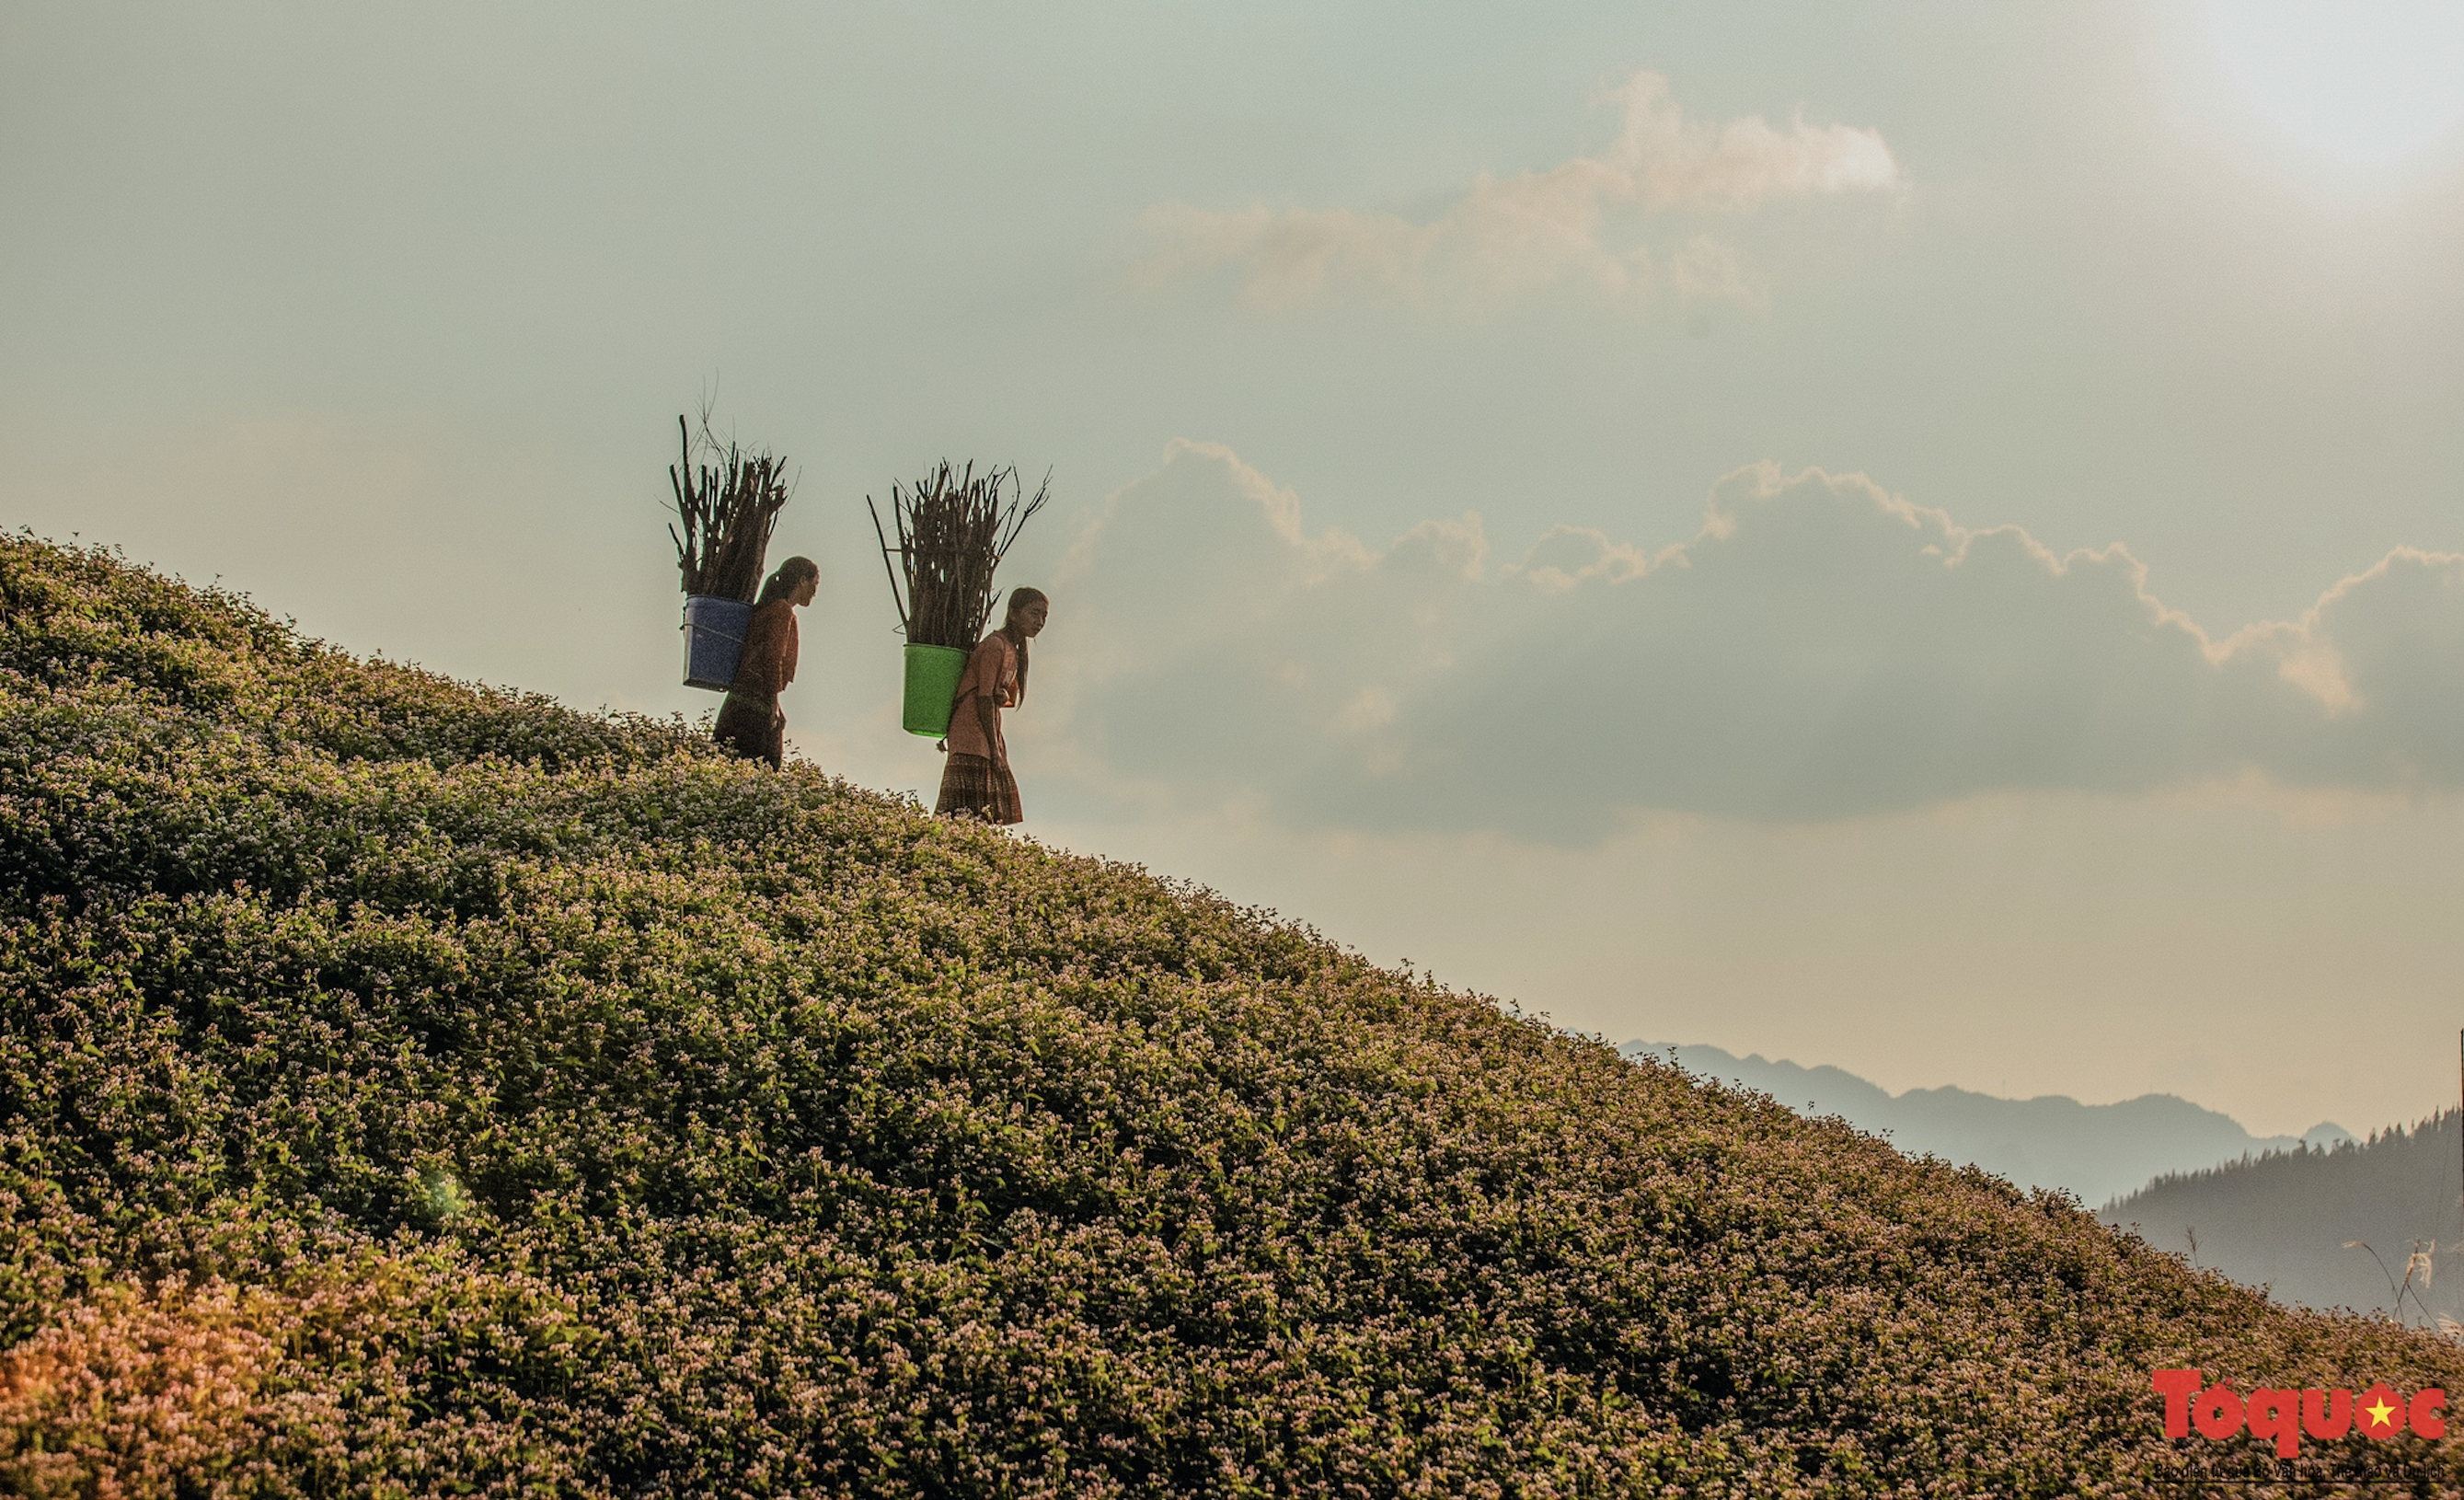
{"points": [[797, 580], [1028, 609]]}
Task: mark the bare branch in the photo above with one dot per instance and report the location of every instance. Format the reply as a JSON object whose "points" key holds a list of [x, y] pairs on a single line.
{"points": [[954, 529], [728, 509]]}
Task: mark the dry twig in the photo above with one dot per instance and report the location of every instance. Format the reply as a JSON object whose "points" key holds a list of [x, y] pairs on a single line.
{"points": [[953, 529], [728, 507]]}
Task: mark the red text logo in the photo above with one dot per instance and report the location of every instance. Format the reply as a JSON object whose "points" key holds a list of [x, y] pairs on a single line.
{"points": [[2219, 1411]]}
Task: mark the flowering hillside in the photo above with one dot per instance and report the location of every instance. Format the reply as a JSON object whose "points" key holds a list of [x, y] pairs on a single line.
{"points": [[406, 1086]]}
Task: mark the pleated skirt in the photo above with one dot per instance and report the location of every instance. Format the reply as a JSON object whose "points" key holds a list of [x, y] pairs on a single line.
{"points": [[751, 725], [978, 786]]}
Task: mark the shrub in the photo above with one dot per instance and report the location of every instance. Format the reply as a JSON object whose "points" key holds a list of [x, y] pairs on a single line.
{"points": [[408, 1087]]}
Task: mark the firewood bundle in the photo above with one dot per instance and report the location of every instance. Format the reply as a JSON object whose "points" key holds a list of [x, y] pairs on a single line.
{"points": [[954, 527], [728, 505]]}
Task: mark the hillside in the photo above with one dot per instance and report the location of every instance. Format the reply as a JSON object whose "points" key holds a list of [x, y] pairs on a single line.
{"points": [[409, 1087], [2095, 1152], [2282, 1220]]}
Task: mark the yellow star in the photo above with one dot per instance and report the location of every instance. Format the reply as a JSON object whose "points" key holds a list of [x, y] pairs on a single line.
{"points": [[2379, 1411]]}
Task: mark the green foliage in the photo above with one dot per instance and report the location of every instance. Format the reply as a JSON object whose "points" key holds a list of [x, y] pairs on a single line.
{"points": [[408, 1087]]}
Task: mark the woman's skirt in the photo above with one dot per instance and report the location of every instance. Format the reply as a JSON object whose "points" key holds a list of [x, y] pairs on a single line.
{"points": [[978, 786], [751, 725]]}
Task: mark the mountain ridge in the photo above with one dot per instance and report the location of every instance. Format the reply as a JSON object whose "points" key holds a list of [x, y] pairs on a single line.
{"points": [[2097, 1152], [2324, 1228]]}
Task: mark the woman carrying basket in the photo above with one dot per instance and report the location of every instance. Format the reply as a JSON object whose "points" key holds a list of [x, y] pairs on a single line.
{"points": [[750, 724], [977, 782]]}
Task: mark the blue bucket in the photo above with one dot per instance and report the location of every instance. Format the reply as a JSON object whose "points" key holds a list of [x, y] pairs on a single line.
{"points": [[715, 631]]}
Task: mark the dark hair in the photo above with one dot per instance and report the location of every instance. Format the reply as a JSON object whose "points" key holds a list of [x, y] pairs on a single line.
{"points": [[1019, 599], [789, 578]]}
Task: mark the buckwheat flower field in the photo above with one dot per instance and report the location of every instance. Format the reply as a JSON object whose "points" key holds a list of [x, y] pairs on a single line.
{"points": [[412, 1088]]}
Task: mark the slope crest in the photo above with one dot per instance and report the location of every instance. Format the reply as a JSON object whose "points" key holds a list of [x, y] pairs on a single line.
{"points": [[407, 1086]]}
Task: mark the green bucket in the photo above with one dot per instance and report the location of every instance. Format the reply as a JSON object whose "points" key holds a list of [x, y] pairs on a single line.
{"points": [[933, 673]]}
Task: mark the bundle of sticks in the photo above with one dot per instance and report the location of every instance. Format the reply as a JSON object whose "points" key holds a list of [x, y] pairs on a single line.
{"points": [[954, 529], [728, 506]]}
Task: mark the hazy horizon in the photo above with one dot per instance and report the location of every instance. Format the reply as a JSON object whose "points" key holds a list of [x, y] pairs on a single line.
{"points": [[2100, 1152]]}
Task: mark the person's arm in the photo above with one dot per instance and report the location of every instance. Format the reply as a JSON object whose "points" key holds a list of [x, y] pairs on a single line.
{"points": [[992, 694], [990, 717]]}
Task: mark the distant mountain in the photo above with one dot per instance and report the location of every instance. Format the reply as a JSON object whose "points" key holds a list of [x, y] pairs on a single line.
{"points": [[2283, 1221], [2097, 1151]]}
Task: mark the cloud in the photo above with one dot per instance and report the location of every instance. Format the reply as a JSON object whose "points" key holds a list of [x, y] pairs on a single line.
{"points": [[1534, 229], [1821, 650]]}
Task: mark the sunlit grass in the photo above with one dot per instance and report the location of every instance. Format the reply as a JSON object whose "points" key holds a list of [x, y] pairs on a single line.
{"points": [[406, 1086]]}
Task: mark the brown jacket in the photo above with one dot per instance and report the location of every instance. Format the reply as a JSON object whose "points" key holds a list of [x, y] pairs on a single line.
{"points": [[991, 677], [769, 660]]}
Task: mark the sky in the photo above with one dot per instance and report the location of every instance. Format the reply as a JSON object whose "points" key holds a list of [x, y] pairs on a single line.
{"points": [[1924, 539]]}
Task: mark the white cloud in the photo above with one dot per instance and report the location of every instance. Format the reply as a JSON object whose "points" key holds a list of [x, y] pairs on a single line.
{"points": [[1534, 229], [1673, 163], [1704, 270], [1822, 649]]}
